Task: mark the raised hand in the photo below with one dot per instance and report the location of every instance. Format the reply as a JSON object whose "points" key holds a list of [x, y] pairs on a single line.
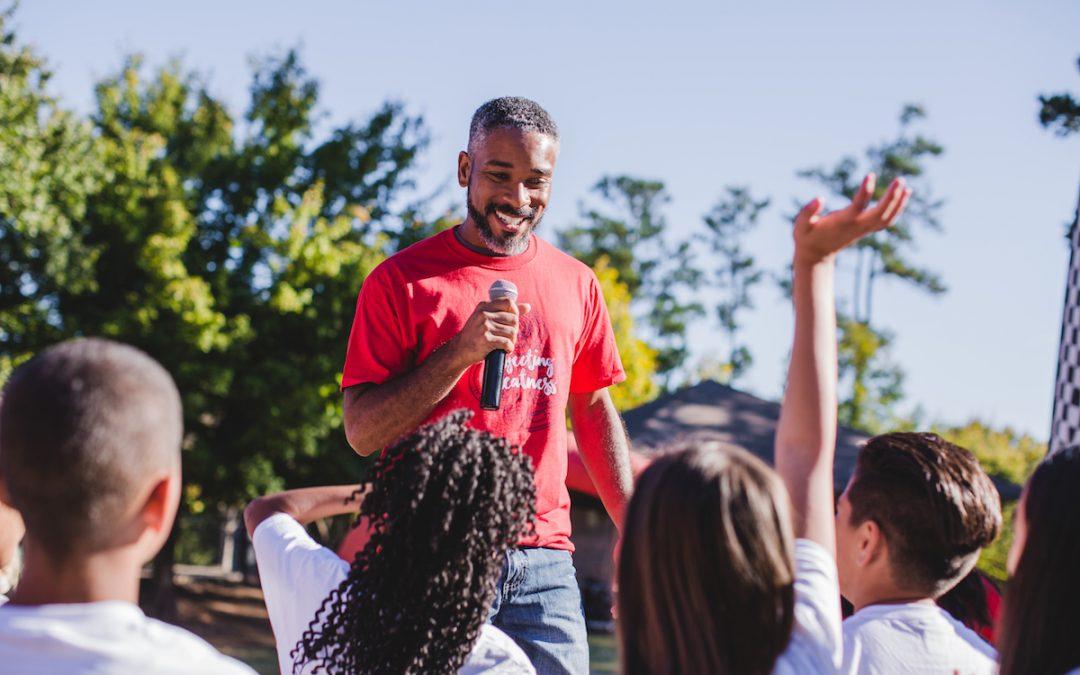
{"points": [[819, 236]]}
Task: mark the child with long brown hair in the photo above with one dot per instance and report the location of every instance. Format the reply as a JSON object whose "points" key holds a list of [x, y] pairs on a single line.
{"points": [[1038, 632], [720, 571]]}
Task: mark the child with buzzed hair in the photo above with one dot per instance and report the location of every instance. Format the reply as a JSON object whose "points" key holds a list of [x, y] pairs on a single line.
{"points": [[910, 525], [90, 436]]}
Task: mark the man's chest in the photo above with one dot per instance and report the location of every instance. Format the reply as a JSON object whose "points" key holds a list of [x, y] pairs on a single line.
{"points": [[548, 333]]}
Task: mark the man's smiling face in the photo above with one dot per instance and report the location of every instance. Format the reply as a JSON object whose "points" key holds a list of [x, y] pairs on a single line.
{"points": [[508, 173]]}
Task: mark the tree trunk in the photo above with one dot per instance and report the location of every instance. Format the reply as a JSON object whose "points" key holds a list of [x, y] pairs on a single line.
{"points": [[856, 297], [870, 291]]}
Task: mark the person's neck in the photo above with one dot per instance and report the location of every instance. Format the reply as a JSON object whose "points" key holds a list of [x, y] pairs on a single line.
{"points": [[93, 577], [892, 596]]}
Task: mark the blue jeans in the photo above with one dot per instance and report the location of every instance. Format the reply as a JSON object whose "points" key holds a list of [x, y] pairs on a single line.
{"points": [[538, 604]]}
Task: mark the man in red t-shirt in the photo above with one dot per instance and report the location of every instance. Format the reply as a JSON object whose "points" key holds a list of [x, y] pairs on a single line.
{"points": [[424, 325]]}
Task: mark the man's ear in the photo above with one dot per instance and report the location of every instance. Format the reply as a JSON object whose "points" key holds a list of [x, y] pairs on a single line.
{"points": [[870, 543], [464, 168]]}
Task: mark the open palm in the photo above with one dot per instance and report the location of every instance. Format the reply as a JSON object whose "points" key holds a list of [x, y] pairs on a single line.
{"points": [[819, 236]]}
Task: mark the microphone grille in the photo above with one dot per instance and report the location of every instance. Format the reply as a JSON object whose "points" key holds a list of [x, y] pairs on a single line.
{"points": [[502, 289]]}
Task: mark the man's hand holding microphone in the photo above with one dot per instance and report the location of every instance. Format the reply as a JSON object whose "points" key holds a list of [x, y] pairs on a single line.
{"points": [[490, 333]]}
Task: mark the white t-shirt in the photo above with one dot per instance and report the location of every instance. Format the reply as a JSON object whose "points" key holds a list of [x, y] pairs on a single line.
{"points": [[913, 638], [297, 574], [815, 640], [104, 638]]}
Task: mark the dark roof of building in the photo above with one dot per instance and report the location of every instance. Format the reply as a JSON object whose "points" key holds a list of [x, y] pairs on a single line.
{"points": [[710, 411], [715, 412]]}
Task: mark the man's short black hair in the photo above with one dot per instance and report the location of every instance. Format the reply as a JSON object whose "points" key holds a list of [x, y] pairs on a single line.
{"points": [[935, 506], [513, 112], [84, 426]]}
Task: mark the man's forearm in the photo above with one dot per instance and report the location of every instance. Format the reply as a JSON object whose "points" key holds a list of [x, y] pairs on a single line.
{"points": [[304, 505], [806, 432], [377, 415], [604, 447]]}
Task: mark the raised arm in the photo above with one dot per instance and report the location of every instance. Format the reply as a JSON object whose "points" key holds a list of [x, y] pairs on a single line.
{"points": [[303, 505], [605, 449], [378, 414], [806, 434]]}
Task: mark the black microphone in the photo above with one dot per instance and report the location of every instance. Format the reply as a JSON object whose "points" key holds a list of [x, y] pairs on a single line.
{"points": [[491, 391]]}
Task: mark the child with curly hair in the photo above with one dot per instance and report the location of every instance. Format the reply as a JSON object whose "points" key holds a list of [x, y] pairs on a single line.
{"points": [[444, 505]]}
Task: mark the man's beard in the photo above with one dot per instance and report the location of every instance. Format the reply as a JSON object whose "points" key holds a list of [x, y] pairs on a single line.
{"points": [[508, 244]]}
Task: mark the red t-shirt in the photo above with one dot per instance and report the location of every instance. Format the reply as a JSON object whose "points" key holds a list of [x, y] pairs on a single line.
{"points": [[421, 297]]}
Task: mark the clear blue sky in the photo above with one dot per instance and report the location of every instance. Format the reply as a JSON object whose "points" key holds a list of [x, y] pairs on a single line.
{"points": [[703, 95]]}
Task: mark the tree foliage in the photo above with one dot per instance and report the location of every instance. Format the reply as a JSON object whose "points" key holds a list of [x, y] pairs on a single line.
{"points": [[733, 217], [1060, 112], [888, 254], [638, 358], [628, 230], [231, 248], [993, 561], [49, 164], [874, 383], [253, 239], [1004, 453]]}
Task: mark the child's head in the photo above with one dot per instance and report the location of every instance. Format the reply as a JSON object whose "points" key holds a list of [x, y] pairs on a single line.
{"points": [[913, 518], [706, 571], [90, 449], [1038, 629], [444, 505]]}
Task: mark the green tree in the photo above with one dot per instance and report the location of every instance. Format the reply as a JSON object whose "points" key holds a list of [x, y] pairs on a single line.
{"points": [[660, 276], [733, 217], [873, 382], [49, 163], [230, 249], [1060, 112], [638, 358], [886, 254], [1005, 454], [416, 224], [282, 232], [993, 561]]}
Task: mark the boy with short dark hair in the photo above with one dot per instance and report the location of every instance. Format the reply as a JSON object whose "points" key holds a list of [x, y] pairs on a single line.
{"points": [[90, 436], [910, 525]]}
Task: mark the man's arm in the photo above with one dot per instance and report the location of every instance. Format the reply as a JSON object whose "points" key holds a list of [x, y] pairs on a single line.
{"points": [[378, 414], [603, 444], [806, 433], [304, 505]]}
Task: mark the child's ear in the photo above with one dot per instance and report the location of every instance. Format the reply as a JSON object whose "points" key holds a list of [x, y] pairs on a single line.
{"points": [[871, 543], [159, 510]]}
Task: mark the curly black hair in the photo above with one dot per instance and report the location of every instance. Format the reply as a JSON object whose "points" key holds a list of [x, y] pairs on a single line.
{"points": [[444, 504]]}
